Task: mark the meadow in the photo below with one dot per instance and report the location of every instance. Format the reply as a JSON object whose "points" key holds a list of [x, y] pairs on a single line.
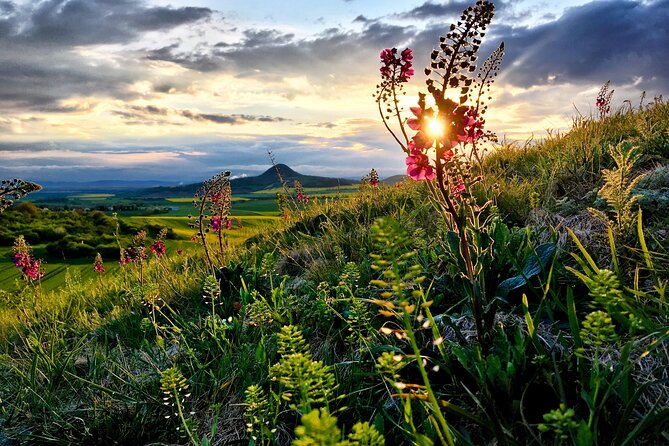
{"points": [[513, 297]]}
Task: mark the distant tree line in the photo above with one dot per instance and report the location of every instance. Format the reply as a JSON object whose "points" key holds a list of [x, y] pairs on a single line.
{"points": [[69, 234]]}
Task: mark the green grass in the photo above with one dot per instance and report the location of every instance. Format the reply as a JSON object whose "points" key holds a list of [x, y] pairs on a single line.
{"points": [[57, 269], [577, 341]]}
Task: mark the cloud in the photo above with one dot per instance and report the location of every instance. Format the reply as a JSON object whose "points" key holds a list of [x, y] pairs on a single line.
{"points": [[42, 63], [151, 114], [451, 9], [624, 41], [271, 55], [429, 10], [86, 22]]}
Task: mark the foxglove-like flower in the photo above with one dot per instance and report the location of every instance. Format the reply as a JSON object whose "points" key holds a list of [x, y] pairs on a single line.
{"points": [[400, 68], [373, 178], [418, 166], [215, 223], [98, 265]]}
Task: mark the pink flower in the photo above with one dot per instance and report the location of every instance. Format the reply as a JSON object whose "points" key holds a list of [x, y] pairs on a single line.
{"points": [[99, 268], [392, 64], [418, 166], [228, 224], [458, 189], [30, 266], [215, 223], [194, 238], [215, 198], [31, 270], [373, 178], [158, 248], [472, 127], [20, 259]]}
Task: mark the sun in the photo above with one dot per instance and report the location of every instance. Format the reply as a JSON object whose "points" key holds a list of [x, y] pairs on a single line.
{"points": [[435, 127]]}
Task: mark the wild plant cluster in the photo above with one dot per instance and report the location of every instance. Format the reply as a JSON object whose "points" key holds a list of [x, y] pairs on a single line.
{"points": [[427, 312]]}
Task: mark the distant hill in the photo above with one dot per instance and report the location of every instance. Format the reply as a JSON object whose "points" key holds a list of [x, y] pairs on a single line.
{"points": [[394, 179], [97, 186], [246, 185]]}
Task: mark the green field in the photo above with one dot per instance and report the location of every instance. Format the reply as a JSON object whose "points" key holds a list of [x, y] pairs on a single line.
{"points": [[56, 270], [91, 197]]}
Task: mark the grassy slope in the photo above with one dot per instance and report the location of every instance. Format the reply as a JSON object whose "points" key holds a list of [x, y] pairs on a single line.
{"points": [[124, 358]]}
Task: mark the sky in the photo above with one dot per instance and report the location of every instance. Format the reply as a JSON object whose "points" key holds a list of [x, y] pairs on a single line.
{"points": [[179, 90]]}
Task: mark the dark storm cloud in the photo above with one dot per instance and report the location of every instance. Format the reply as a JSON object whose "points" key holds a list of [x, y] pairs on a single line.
{"points": [[618, 40], [151, 114], [39, 65]]}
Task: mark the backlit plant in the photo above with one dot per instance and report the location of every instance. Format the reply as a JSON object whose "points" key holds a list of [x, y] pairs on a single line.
{"points": [[213, 201], [603, 101], [448, 131], [22, 256]]}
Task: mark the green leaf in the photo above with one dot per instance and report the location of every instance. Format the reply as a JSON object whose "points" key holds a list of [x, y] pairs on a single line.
{"points": [[573, 319], [528, 317], [534, 265], [584, 436]]}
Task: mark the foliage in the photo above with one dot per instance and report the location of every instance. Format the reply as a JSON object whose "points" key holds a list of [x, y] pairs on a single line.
{"points": [[618, 189], [360, 320], [15, 189]]}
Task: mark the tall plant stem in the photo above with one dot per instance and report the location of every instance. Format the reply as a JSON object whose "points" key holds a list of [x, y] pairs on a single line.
{"points": [[464, 243], [385, 123], [441, 421]]}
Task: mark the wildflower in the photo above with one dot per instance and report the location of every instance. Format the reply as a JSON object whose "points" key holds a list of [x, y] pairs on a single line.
{"points": [[180, 251], [215, 198], [31, 270], [194, 238], [98, 265], [215, 223], [22, 258], [458, 189], [373, 178], [158, 248], [228, 224], [603, 102], [392, 63], [423, 139], [125, 259], [418, 166], [299, 193], [472, 126]]}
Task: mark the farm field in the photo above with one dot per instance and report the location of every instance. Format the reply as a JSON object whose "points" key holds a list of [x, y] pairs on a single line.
{"points": [[56, 270]]}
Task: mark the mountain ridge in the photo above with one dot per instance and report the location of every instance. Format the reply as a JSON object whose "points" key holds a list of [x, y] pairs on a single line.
{"points": [[249, 184]]}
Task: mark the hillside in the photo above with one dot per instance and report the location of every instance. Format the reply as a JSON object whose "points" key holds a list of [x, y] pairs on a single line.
{"points": [[312, 303], [246, 185]]}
